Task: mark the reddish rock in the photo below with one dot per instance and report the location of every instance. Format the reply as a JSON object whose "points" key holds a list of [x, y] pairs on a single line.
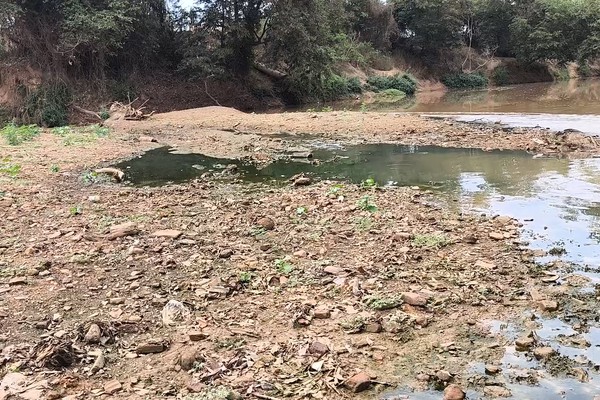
{"points": [[318, 348], [359, 382], [112, 387], [266, 223], [454, 392], [414, 299]]}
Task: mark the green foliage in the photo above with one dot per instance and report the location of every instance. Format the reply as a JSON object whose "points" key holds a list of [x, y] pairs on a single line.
{"points": [[104, 114], [354, 86], [48, 105], [7, 167], [366, 204], [54, 168], [500, 76], [350, 50], [284, 267], [364, 224], [404, 83], [16, 135], [80, 136], [383, 303], [245, 277], [562, 74], [584, 70], [465, 81], [431, 241], [390, 96], [369, 183]]}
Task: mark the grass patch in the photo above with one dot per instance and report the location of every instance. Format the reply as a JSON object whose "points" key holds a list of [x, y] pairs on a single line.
{"points": [[16, 135], [390, 96], [366, 204], [465, 81], [431, 241], [383, 303], [9, 168], [80, 136]]}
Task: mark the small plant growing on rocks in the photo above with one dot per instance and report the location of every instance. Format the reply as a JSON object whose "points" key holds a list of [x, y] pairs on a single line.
{"points": [[15, 135], [365, 204], [245, 277], [383, 303], [284, 267], [369, 183], [431, 241]]}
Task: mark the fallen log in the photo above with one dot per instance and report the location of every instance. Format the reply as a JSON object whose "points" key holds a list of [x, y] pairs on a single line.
{"points": [[269, 71]]}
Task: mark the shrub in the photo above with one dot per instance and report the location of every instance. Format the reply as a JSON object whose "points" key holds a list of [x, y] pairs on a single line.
{"points": [[354, 86], [390, 96], [404, 83], [500, 76], [584, 70], [465, 81], [15, 135], [48, 105]]}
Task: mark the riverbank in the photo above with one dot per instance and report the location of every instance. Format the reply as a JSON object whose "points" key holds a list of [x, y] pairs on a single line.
{"points": [[218, 131], [323, 291]]}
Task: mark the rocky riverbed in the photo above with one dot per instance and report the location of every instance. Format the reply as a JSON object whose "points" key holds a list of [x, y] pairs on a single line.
{"points": [[213, 290]]}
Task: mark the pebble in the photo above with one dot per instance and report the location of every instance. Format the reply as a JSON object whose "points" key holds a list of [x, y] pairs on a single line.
{"points": [[227, 253], [167, 233], [266, 223], [495, 391], [116, 300], [543, 353], [373, 327], [548, 305], [492, 369], [196, 336], [496, 235], [322, 312], [443, 376], [187, 359], [414, 299], [318, 348], [93, 334], [99, 363], [454, 392], [112, 387], [524, 343], [19, 280], [359, 382], [150, 348], [333, 270]]}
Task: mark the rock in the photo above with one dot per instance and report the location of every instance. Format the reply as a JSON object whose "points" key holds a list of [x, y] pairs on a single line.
{"points": [[122, 230], [454, 392], [227, 253], [112, 387], [423, 377], [11, 384], [321, 312], [543, 353], [318, 348], [117, 174], [145, 138], [196, 336], [524, 343], [470, 239], [266, 223], [302, 181], [484, 265], [373, 327], [18, 280], [167, 233], [359, 382], [333, 270], [443, 376], [492, 369], [548, 305], [414, 299], [93, 334], [187, 359], [496, 235], [99, 363], [175, 311], [150, 348], [503, 220], [116, 300], [495, 391], [94, 199]]}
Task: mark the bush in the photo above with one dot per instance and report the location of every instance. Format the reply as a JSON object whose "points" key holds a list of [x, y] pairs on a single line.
{"points": [[354, 86], [337, 87], [390, 96], [465, 81], [404, 83], [500, 76], [584, 70], [15, 135], [48, 105]]}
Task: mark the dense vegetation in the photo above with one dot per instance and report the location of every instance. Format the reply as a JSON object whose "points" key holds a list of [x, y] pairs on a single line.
{"points": [[296, 44]]}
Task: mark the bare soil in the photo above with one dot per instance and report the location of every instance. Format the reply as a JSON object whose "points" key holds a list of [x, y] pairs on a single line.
{"points": [[279, 292]]}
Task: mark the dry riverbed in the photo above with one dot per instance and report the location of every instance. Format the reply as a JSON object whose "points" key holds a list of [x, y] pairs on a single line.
{"points": [[211, 290]]}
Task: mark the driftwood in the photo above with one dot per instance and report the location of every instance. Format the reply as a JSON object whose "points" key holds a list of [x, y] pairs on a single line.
{"points": [[269, 72], [130, 112], [87, 112], [115, 173]]}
